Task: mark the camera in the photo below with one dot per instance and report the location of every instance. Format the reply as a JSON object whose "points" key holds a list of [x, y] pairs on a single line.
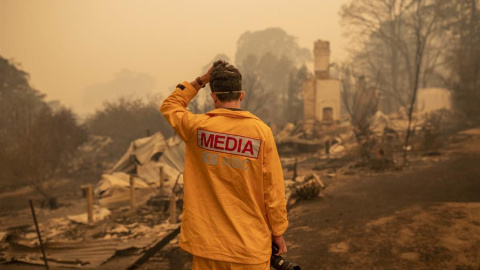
{"points": [[279, 263]]}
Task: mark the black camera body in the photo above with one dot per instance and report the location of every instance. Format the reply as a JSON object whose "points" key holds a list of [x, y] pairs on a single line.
{"points": [[279, 263]]}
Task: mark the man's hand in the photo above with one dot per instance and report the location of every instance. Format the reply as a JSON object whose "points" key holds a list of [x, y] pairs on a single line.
{"points": [[282, 246], [206, 77]]}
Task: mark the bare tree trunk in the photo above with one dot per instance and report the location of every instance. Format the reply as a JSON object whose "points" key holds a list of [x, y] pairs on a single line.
{"points": [[473, 51], [418, 67]]}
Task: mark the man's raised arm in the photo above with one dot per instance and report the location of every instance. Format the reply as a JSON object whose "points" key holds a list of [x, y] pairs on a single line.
{"points": [[174, 107]]}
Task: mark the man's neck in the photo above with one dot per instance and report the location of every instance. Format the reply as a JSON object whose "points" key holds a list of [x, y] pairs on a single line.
{"points": [[230, 104]]}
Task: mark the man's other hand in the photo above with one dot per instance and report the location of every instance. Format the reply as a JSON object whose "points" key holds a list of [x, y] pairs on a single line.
{"points": [[282, 246], [206, 77]]}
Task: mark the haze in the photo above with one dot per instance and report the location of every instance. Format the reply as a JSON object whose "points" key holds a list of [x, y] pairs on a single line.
{"points": [[85, 52]]}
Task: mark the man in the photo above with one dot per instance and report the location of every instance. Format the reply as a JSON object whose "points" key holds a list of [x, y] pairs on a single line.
{"points": [[234, 196]]}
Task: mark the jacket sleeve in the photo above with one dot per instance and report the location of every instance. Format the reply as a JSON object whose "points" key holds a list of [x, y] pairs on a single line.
{"points": [[174, 109], [274, 187]]}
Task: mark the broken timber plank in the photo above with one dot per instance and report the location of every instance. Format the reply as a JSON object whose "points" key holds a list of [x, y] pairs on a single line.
{"points": [[149, 253]]}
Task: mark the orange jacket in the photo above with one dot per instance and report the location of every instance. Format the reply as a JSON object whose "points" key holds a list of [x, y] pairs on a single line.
{"points": [[234, 191]]}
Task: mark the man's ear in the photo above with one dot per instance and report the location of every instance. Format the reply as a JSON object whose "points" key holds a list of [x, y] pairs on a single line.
{"points": [[242, 94], [214, 97]]}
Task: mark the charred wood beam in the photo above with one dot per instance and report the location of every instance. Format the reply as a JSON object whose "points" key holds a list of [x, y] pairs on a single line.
{"points": [[149, 253]]}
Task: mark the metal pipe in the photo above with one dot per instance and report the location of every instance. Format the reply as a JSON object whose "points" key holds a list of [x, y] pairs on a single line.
{"points": [[38, 234]]}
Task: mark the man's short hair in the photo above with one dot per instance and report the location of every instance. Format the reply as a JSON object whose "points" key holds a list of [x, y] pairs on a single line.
{"points": [[225, 78]]}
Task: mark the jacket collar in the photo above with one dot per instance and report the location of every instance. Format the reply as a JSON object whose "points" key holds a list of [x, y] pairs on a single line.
{"points": [[230, 113]]}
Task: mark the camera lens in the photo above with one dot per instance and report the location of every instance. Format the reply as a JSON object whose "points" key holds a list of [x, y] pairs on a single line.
{"points": [[279, 263]]}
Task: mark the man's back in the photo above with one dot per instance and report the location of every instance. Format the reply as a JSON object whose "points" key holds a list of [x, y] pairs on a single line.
{"points": [[224, 189]]}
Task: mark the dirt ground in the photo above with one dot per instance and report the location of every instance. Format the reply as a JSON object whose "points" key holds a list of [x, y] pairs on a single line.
{"points": [[426, 218]]}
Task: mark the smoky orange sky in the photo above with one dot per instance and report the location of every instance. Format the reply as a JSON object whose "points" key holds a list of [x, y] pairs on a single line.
{"points": [[85, 52]]}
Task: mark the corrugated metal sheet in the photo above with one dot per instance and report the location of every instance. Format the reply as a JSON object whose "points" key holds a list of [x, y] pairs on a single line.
{"points": [[84, 254], [143, 149]]}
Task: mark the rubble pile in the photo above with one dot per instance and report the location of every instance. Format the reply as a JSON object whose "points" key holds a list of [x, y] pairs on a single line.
{"points": [[308, 137], [91, 244], [338, 148], [118, 220], [304, 187]]}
